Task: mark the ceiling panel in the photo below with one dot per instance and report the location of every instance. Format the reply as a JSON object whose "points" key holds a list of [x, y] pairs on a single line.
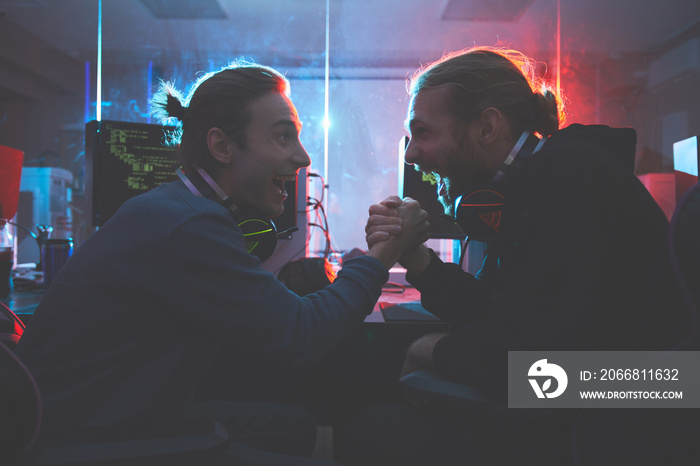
{"points": [[363, 32]]}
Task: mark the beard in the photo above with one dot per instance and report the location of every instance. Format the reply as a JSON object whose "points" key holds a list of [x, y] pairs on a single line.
{"points": [[460, 168], [449, 190], [445, 196]]}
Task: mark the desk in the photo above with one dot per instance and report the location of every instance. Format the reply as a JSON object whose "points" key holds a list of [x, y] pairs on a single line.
{"points": [[408, 295], [23, 303], [362, 371]]}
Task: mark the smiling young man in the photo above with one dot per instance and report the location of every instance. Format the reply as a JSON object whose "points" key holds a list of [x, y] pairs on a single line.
{"points": [[578, 260], [129, 326], [255, 173]]}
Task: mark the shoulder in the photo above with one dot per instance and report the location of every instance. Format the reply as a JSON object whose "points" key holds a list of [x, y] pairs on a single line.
{"points": [[168, 206], [586, 147], [173, 198], [587, 172], [582, 157], [154, 217]]}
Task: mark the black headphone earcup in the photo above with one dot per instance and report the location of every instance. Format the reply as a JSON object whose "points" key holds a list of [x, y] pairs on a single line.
{"points": [[260, 236], [478, 213]]}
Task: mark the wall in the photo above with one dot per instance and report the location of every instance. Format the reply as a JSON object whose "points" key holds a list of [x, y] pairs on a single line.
{"points": [[43, 109]]}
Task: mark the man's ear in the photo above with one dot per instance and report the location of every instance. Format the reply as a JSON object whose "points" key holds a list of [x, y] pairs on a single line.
{"points": [[219, 145], [491, 124]]}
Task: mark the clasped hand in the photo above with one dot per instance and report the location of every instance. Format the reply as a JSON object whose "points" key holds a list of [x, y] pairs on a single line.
{"points": [[398, 221]]}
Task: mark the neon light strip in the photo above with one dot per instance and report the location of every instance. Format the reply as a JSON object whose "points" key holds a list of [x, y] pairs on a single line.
{"points": [[99, 61], [558, 47], [327, 99], [149, 87], [87, 92]]}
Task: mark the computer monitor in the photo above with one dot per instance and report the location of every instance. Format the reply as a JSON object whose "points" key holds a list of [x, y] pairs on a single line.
{"points": [[423, 188], [124, 159], [685, 164]]}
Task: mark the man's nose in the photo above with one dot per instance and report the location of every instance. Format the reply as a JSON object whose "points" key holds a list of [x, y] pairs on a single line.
{"points": [[301, 157], [412, 154]]}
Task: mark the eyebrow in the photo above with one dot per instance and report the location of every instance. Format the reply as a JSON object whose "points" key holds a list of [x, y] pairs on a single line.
{"points": [[408, 122], [288, 122]]}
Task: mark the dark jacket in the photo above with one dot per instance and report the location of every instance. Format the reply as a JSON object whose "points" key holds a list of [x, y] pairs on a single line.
{"points": [[581, 264], [132, 321]]}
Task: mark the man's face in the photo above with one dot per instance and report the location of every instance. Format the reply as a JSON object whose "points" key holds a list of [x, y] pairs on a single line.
{"points": [[443, 147], [273, 155]]}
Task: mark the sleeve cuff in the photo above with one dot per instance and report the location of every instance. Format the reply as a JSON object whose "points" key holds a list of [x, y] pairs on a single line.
{"points": [[420, 281]]}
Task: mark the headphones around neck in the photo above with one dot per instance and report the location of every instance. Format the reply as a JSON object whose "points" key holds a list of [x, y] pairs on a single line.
{"points": [[478, 211], [259, 231]]}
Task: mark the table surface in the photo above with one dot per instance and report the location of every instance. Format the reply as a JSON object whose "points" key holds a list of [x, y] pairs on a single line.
{"points": [[24, 303], [390, 296]]}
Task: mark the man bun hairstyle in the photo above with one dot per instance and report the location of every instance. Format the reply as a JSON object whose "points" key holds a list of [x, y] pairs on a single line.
{"points": [[548, 117], [483, 77], [218, 99]]}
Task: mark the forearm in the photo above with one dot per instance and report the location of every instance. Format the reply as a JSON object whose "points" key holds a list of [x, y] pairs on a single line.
{"points": [[223, 289], [449, 292], [416, 261], [385, 252]]}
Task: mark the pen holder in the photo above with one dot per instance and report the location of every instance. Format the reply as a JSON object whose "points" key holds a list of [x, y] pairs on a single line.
{"points": [[54, 254]]}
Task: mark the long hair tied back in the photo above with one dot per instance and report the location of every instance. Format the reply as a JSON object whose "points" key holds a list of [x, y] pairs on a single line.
{"points": [[482, 77], [218, 99]]}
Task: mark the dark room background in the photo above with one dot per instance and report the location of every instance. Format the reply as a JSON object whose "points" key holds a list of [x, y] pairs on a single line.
{"points": [[63, 63]]}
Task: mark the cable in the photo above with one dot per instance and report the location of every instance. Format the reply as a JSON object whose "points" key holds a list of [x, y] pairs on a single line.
{"points": [[321, 220], [24, 228], [393, 287]]}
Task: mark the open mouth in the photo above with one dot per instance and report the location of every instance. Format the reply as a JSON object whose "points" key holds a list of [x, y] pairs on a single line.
{"points": [[279, 182]]}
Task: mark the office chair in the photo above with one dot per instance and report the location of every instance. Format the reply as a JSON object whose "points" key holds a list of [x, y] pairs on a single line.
{"points": [[11, 327], [148, 443], [684, 247], [523, 437], [429, 386]]}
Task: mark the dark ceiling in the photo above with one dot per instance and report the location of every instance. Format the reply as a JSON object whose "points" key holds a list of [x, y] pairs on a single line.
{"points": [[366, 33]]}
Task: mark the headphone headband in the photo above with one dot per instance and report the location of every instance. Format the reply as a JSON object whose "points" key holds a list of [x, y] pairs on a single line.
{"points": [[478, 211], [259, 232], [511, 157], [527, 145], [209, 189]]}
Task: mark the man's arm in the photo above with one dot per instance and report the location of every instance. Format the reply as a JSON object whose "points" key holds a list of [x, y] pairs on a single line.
{"points": [[443, 286]]}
